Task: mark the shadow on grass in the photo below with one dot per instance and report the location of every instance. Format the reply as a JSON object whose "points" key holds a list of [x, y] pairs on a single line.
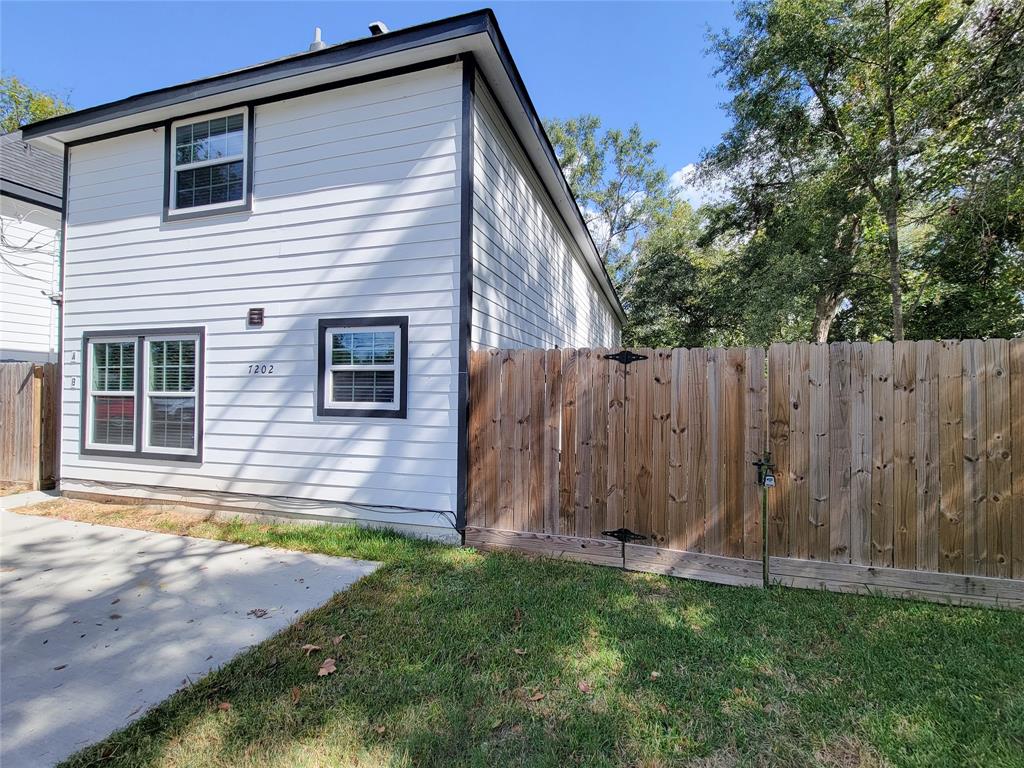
{"points": [[449, 657]]}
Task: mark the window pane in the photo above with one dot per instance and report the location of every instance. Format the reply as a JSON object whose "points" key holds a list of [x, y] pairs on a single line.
{"points": [[341, 349], [113, 366], [384, 347], [363, 386], [362, 348], [209, 140], [172, 422], [209, 184], [113, 420], [172, 366]]}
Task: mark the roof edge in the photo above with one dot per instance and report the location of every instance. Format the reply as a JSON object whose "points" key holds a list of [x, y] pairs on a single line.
{"points": [[453, 27]]}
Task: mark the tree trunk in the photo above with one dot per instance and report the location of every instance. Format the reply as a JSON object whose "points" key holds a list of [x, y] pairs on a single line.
{"points": [[826, 307], [892, 199]]}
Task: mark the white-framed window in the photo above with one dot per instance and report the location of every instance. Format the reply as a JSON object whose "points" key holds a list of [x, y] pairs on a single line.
{"points": [[170, 407], [209, 162], [142, 393], [362, 367], [110, 395]]}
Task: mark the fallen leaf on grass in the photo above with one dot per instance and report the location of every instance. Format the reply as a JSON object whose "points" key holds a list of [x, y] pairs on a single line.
{"points": [[337, 639], [309, 648], [326, 668], [296, 694], [380, 728], [519, 651], [655, 675], [537, 696], [224, 706], [585, 686]]}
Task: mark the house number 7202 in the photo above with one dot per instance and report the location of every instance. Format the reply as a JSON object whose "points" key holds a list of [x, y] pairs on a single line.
{"points": [[255, 369]]}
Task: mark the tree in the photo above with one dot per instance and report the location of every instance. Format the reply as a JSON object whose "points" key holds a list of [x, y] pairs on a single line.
{"points": [[673, 297], [21, 104], [872, 94], [618, 185]]}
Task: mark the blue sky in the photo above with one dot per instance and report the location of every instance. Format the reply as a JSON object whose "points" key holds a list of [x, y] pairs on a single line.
{"points": [[624, 62]]}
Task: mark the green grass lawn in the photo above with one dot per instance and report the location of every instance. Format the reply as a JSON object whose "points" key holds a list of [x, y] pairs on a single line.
{"points": [[449, 657]]}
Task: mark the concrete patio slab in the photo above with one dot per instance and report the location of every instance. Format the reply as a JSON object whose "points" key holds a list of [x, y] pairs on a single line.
{"points": [[98, 624]]}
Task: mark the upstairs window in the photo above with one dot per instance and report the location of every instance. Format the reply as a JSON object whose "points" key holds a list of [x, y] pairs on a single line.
{"points": [[362, 364], [208, 164]]}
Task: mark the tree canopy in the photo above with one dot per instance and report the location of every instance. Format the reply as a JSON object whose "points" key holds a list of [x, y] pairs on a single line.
{"points": [[20, 104]]}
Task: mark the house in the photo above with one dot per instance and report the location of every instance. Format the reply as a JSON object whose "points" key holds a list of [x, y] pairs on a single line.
{"points": [[272, 278], [30, 210]]}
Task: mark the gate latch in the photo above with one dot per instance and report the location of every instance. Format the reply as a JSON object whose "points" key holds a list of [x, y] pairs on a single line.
{"points": [[765, 471], [625, 357]]}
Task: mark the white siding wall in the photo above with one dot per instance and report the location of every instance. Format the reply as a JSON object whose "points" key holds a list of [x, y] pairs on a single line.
{"points": [[531, 287], [28, 319], [356, 213]]}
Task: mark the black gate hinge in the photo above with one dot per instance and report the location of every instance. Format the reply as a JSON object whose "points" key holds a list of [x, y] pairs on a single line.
{"points": [[625, 357]]}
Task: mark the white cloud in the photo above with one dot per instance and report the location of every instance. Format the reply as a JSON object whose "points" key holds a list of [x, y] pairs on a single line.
{"points": [[694, 191]]}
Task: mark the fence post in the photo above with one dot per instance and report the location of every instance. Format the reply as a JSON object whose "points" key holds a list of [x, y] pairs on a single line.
{"points": [[37, 426]]}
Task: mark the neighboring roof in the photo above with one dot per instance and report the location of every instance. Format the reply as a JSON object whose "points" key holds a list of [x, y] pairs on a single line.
{"points": [[30, 173], [476, 32]]}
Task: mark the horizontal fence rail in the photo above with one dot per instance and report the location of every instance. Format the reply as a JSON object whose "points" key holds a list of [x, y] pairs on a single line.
{"points": [[895, 464]]}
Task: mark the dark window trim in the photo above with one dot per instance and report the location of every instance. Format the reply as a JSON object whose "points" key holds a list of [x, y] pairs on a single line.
{"points": [[140, 335], [174, 214], [402, 321]]}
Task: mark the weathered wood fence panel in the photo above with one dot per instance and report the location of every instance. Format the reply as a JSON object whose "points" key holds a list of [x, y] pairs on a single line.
{"points": [[899, 467], [913, 469], [566, 444], [29, 403]]}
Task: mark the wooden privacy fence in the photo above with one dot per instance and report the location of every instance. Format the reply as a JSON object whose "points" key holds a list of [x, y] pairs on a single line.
{"points": [[566, 444], [29, 416], [895, 463]]}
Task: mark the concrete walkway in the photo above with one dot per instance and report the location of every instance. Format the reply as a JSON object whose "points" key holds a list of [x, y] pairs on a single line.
{"points": [[98, 624]]}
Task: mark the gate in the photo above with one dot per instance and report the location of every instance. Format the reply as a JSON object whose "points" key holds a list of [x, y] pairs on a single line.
{"points": [[569, 447]]}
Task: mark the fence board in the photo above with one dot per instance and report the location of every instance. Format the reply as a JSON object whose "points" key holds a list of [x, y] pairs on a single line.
{"points": [[584, 441], [975, 490], [697, 447], [567, 470], [714, 521], [951, 458], [819, 482], [616, 444], [779, 412], [1016, 355], [640, 380], [904, 449], [927, 456], [599, 468], [862, 452], [552, 436], [840, 447], [800, 451], [882, 506], [678, 520], [754, 447], [998, 480], [536, 426], [661, 412]]}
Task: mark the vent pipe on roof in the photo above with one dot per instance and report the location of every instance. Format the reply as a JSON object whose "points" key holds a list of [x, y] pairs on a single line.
{"points": [[378, 28], [317, 44]]}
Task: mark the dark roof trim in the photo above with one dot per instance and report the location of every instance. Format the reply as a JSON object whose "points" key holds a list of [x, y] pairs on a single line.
{"points": [[29, 195], [300, 64]]}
